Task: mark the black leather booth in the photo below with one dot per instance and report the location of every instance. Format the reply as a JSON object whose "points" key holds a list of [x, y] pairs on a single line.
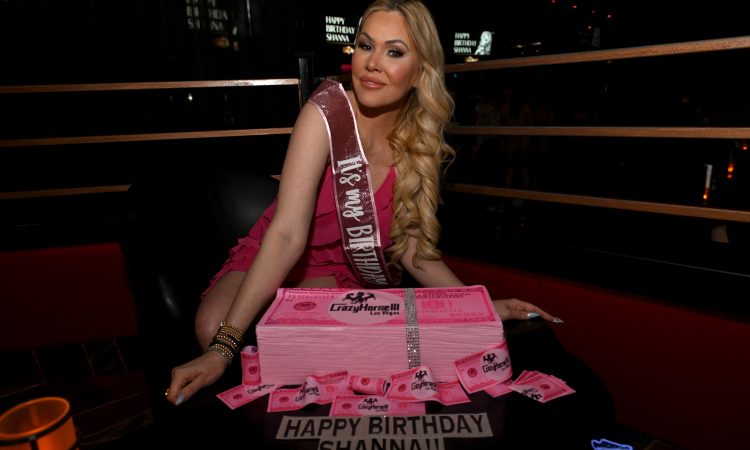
{"points": [[178, 228]]}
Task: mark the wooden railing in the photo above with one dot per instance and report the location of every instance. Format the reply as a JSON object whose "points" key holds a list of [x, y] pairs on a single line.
{"points": [[686, 48], [138, 137]]}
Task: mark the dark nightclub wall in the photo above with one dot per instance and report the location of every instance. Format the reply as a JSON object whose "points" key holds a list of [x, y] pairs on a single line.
{"points": [[139, 40]]}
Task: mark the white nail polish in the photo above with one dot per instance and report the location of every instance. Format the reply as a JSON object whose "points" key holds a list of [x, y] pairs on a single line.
{"points": [[532, 315], [180, 399], [558, 320]]}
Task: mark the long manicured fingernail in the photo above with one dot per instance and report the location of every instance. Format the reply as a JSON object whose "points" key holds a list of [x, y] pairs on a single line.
{"points": [[180, 399], [532, 315], [557, 320]]}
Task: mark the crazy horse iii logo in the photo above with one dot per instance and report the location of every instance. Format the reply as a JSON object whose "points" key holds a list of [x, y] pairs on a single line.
{"points": [[371, 404], [489, 364], [365, 302], [365, 307], [421, 383], [305, 391]]}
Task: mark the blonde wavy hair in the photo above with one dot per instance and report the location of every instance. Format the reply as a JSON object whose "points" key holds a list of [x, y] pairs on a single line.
{"points": [[420, 150]]}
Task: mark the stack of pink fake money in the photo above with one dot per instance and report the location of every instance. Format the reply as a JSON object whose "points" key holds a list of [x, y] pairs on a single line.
{"points": [[373, 333]]}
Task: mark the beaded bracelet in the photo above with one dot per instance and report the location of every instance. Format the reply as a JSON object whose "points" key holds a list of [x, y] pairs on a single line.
{"points": [[227, 341], [231, 329], [221, 339], [223, 350]]}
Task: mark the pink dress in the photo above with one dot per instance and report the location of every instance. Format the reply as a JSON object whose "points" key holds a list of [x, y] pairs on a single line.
{"points": [[324, 255]]}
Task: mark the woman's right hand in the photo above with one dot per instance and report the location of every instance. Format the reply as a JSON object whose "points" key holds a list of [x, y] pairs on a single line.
{"points": [[189, 378]]}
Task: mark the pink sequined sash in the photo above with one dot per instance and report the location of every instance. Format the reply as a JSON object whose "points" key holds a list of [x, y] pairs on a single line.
{"points": [[355, 200]]}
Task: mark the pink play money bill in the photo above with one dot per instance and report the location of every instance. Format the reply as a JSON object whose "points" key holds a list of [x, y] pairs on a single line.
{"points": [[373, 405], [242, 395], [317, 389], [380, 307], [418, 385], [369, 385], [540, 387], [250, 366], [483, 369]]}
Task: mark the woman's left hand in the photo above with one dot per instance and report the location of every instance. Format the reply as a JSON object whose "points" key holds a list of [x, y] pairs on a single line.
{"points": [[518, 309]]}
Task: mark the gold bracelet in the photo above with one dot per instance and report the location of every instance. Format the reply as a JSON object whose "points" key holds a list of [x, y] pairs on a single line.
{"points": [[223, 350], [221, 339], [231, 327], [237, 341], [228, 332]]}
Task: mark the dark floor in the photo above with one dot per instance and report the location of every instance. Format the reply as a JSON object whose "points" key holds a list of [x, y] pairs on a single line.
{"points": [[104, 382]]}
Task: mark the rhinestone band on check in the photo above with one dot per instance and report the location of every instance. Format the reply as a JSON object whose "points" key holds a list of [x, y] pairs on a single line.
{"points": [[412, 328]]}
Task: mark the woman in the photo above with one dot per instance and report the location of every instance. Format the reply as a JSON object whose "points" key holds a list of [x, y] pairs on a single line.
{"points": [[401, 107], [485, 44]]}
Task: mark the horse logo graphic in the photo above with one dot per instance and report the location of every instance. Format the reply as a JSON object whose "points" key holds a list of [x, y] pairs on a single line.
{"points": [[421, 374], [359, 297], [489, 358]]}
